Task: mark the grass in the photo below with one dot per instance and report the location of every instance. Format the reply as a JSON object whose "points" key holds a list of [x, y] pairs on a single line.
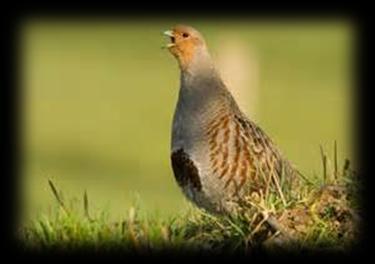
{"points": [[323, 216]]}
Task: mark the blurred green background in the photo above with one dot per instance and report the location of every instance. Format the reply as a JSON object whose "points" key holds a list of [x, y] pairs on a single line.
{"points": [[98, 99]]}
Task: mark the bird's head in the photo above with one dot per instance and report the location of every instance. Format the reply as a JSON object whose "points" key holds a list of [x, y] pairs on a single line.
{"points": [[185, 43]]}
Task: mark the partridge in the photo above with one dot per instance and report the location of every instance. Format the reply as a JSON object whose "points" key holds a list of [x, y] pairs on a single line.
{"points": [[218, 155]]}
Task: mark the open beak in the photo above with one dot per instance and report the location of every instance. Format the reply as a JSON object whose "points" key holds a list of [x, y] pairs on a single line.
{"points": [[170, 34]]}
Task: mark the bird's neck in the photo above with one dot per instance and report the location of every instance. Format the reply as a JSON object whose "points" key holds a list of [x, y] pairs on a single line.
{"points": [[200, 73], [200, 87]]}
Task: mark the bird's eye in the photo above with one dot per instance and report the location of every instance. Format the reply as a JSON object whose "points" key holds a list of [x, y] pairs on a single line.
{"points": [[185, 35]]}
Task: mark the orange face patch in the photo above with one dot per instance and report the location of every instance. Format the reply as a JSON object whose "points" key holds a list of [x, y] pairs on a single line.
{"points": [[184, 47]]}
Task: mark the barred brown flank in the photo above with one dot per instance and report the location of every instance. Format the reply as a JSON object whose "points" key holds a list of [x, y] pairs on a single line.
{"points": [[216, 116], [244, 139], [215, 123], [212, 142], [228, 182], [214, 163], [212, 156], [247, 155], [245, 161], [225, 151], [215, 153], [226, 122], [243, 172], [237, 150], [237, 142], [226, 136], [225, 157], [223, 172], [215, 119], [213, 129], [211, 123], [214, 134], [214, 148], [224, 117], [213, 145]]}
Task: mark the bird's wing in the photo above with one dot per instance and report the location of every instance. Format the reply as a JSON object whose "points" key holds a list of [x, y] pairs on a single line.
{"points": [[268, 163]]}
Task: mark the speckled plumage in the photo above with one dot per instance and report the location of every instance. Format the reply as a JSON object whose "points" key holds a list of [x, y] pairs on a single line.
{"points": [[218, 155]]}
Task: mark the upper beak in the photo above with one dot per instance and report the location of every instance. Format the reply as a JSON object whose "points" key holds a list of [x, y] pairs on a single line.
{"points": [[168, 33]]}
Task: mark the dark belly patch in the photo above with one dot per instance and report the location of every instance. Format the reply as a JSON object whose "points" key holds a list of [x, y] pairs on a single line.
{"points": [[185, 172]]}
